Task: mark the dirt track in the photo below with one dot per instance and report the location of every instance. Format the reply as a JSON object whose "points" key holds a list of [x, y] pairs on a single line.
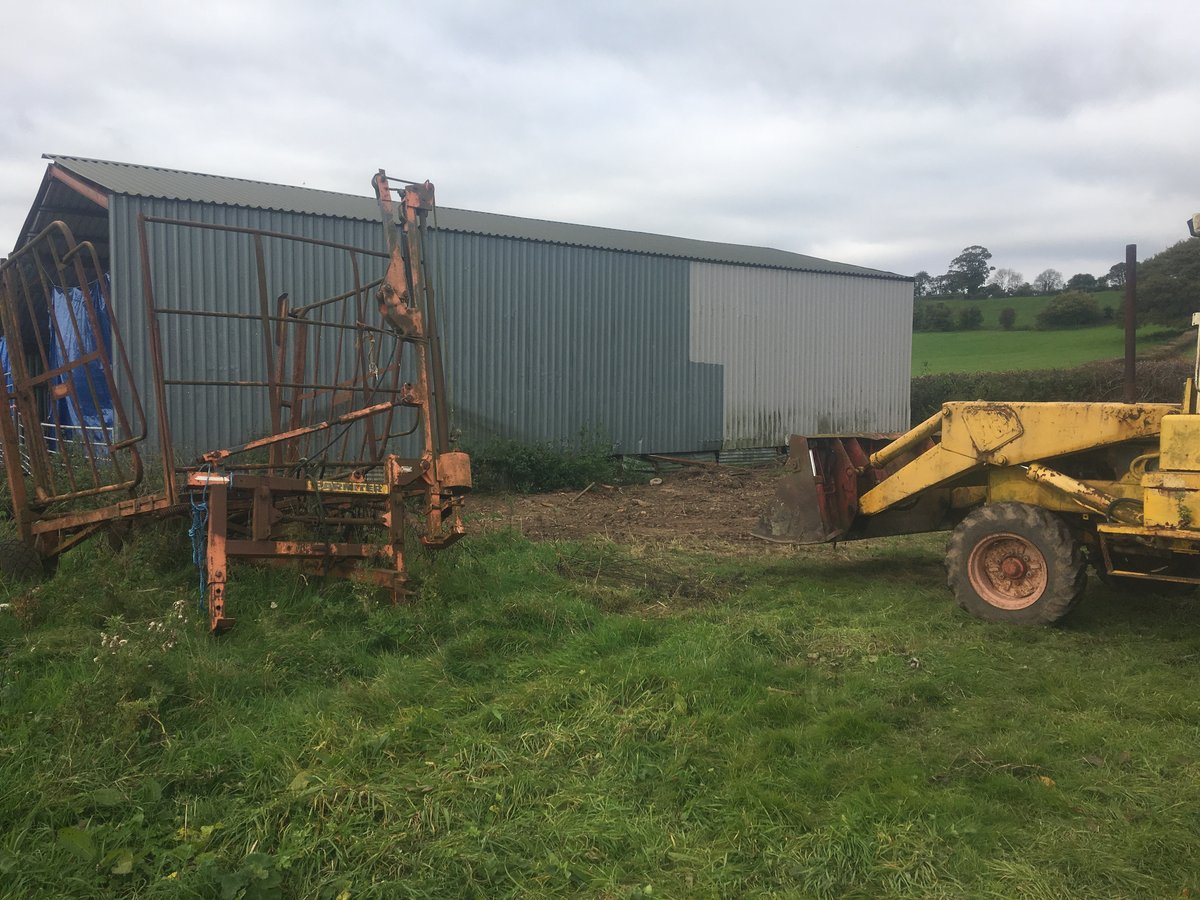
{"points": [[693, 508]]}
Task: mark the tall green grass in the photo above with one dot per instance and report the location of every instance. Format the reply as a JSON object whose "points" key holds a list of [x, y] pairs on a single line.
{"points": [[589, 720], [503, 465]]}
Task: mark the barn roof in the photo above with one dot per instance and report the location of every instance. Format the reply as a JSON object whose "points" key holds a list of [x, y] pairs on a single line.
{"points": [[173, 184]]}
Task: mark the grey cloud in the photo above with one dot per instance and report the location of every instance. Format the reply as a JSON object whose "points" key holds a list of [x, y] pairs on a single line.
{"points": [[889, 135]]}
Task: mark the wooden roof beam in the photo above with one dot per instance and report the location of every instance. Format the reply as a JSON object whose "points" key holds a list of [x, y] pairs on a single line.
{"points": [[80, 187]]}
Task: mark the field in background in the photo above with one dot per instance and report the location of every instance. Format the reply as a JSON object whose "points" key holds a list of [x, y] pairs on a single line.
{"points": [[997, 351], [589, 719], [991, 349], [1027, 308]]}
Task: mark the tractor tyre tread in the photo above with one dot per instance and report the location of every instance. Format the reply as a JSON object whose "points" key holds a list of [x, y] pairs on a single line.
{"points": [[1065, 562], [20, 562]]}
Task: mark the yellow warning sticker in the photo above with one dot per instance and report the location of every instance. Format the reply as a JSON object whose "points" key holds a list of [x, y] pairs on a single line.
{"points": [[347, 487]]}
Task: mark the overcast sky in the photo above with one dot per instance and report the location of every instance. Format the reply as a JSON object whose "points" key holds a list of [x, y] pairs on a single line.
{"points": [[886, 134]]}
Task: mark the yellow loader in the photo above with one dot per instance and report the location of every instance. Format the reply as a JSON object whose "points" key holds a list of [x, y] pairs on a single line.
{"points": [[1034, 493]]}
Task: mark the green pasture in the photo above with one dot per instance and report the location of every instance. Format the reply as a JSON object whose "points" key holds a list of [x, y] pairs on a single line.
{"points": [[1026, 308], [997, 351]]}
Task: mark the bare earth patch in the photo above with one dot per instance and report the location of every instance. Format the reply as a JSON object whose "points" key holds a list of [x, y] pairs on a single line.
{"points": [[693, 509]]}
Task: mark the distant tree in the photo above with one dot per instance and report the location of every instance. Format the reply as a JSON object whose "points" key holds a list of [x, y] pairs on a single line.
{"points": [[1008, 318], [922, 282], [969, 270], [1168, 284], [1024, 290], [1116, 276], [1048, 282], [1073, 309], [939, 286], [970, 318], [938, 317], [1008, 280], [1082, 282]]}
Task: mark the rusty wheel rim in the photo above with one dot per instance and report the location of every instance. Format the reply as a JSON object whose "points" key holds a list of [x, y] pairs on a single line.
{"points": [[1007, 571]]}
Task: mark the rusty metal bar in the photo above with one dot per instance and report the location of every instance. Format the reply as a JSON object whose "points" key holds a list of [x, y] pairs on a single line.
{"points": [[305, 549], [156, 503], [217, 455], [156, 358], [283, 236], [320, 386], [268, 348], [345, 295], [440, 408], [1130, 392], [254, 317]]}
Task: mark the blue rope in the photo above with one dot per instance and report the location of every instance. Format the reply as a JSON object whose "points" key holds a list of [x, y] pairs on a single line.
{"points": [[199, 535]]}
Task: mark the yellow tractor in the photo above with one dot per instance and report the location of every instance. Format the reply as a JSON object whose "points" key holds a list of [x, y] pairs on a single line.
{"points": [[1034, 493]]}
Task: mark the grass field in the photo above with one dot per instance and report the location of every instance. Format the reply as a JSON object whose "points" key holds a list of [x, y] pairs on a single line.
{"points": [[581, 719], [997, 351], [992, 349], [1026, 308]]}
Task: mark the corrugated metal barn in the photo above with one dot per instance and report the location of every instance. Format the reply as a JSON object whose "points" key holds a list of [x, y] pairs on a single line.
{"points": [[658, 344]]}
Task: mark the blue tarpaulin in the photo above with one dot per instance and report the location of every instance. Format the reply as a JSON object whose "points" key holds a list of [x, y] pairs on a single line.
{"points": [[68, 343], [75, 337], [4, 366]]}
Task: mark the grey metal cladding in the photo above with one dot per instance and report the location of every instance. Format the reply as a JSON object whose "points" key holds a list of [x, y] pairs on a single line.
{"points": [[542, 342], [543, 338], [204, 269], [170, 184], [545, 341]]}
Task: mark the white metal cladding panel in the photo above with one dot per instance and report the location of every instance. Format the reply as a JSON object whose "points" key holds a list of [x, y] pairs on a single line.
{"points": [[803, 353], [541, 341], [544, 341]]}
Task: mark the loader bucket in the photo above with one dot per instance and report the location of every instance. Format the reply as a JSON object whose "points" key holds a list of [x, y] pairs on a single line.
{"points": [[798, 514], [817, 498]]}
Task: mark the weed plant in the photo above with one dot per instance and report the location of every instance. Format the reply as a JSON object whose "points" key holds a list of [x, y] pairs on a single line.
{"points": [[508, 465], [589, 720]]}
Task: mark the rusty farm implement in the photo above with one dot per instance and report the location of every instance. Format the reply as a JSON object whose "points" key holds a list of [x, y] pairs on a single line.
{"points": [[350, 450]]}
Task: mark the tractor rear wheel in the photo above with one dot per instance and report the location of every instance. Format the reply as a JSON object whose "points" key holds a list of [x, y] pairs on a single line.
{"points": [[1015, 563], [20, 562]]}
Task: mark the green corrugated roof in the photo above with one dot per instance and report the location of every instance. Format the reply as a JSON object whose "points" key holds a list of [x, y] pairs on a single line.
{"points": [[172, 184]]}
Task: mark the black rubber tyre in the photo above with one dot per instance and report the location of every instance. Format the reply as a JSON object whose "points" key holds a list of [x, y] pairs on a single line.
{"points": [[1015, 563], [19, 561]]}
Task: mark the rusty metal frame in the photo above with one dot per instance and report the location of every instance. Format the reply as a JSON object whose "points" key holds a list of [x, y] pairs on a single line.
{"points": [[330, 494], [49, 471]]}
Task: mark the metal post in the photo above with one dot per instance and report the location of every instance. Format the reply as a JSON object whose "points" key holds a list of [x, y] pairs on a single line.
{"points": [[217, 560], [1130, 323]]}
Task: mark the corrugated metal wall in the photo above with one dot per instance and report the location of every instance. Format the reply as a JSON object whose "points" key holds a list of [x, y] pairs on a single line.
{"points": [[541, 341], [803, 353], [204, 269], [545, 340]]}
